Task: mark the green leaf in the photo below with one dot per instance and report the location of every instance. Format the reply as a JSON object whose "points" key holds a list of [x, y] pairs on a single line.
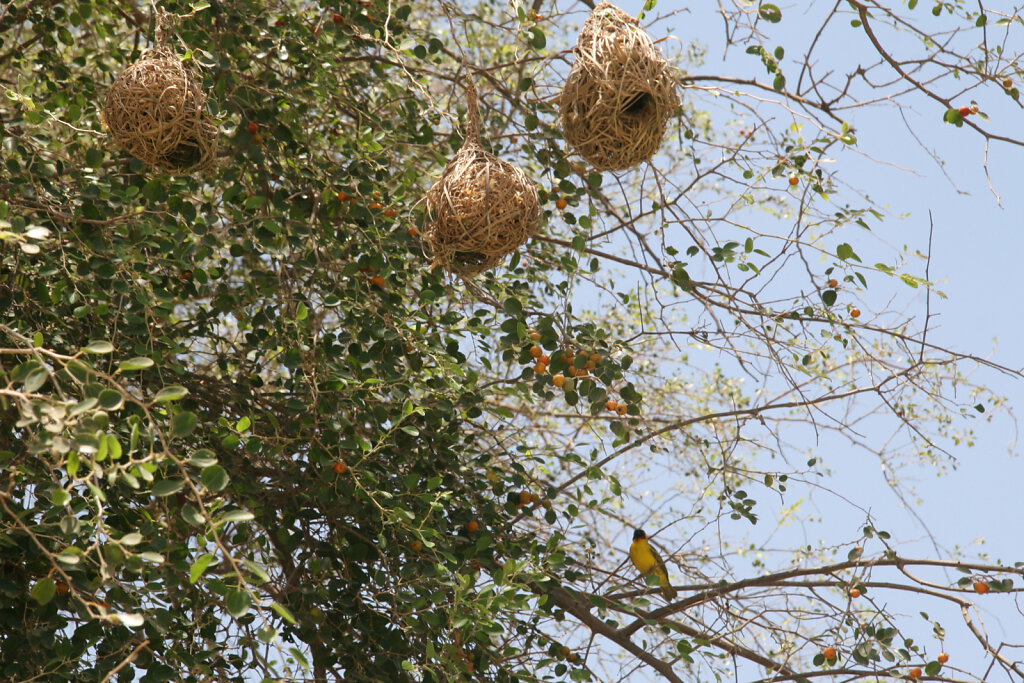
{"points": [[182, 424], [134, 620], [110, 399], [113, 446], [284, 612], [239, 602], [236, 516], [243, 424], [73, 462], [190, 513], [171, 392], [846, 253], [259, 572], [514, 307], [166, 487], [99, 347], [134, 538], [215, 478], [204, 457], [770, 13], [44, 590], [59, 497], [137, 363], [199, 567], [36, 379], [537, 39]]}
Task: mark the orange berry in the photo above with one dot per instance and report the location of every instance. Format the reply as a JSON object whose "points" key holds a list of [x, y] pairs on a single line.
{"points": [[793, 180], [62, 588], [378, 280], [413, 231], [830, 653], [390, 213], [540, 368], [611, 404], [376, 205], [572, 370], [854, 593], [854, 312], [965, 111], [536, 351], [591, 365], [833, 284], [621, 409], [558, 380], [942, 658], [565, 651], [545, 359], [1007, 83], [561, 204], [416, 546], [253, 127], [338, 19], [534, 335], [473, 527], [572, 657], [340, 467], [534, 498], [982, 587], [524, 497], [595, 358], [915, 672]]}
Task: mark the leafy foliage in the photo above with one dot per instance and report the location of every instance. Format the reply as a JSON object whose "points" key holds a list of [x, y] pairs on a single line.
{"points": [[246, 433]]}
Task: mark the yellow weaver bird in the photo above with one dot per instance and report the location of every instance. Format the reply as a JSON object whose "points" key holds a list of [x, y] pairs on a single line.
{"points": [[647, 561]]}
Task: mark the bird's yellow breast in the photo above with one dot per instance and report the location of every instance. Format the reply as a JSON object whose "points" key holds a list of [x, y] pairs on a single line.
{"points": [[643, 558]]}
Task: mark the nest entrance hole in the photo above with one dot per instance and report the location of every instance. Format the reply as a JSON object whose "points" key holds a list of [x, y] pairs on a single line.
{"points": [[185, 155], [470, 258], [638, 104]]}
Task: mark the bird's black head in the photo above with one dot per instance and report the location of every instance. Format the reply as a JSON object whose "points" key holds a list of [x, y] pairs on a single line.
{"points": [[638, 534]]}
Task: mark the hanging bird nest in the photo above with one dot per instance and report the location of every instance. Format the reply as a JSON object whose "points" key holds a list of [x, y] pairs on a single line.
{"points": [[481, 209], [156, 111], [620, 93]]}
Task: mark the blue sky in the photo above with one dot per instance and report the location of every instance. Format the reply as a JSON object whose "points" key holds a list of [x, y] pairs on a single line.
{"points": [[966, 508]]}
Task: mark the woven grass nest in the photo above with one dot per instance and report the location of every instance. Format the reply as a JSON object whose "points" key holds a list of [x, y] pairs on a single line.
{"points": [[620, 93], [156, 111], [481, 209]]}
